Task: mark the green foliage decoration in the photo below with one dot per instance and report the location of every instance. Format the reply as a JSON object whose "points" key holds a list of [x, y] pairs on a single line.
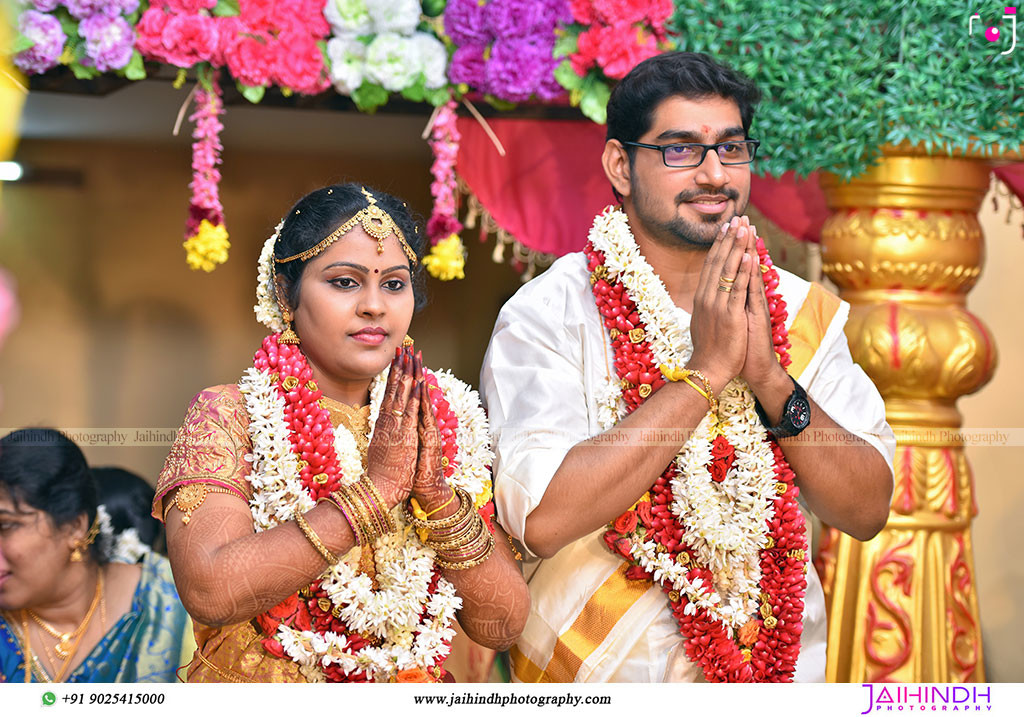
{"points": [[843, 79]]}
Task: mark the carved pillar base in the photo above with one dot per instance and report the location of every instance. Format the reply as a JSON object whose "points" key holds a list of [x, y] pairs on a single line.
{"points": [[904, 245]]}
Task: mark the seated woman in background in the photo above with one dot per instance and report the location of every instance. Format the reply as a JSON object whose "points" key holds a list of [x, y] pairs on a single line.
{"points": [[66, 613], [329, 514], [126, 500]]}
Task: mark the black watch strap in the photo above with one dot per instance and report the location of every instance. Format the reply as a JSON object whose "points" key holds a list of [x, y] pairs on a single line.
{"points": [[796, 414]]}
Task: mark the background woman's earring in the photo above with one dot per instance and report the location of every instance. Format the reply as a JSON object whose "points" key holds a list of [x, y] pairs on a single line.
{"points": [[407, 341], [76, 554], [288, 336]]}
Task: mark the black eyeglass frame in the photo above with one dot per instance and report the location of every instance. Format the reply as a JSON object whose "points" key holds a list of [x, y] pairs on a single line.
{"points": [[753, 144]]}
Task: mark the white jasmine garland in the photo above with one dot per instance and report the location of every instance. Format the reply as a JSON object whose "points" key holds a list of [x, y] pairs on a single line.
{"points": [[413, 626], [725, 524], [267, 311]]}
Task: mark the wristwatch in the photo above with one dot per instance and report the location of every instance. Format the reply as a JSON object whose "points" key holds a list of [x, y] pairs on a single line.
{"points": [[796, 414]]}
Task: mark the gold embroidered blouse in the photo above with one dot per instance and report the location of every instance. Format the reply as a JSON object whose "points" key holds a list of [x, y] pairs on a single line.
{"points": [[210, 448]]}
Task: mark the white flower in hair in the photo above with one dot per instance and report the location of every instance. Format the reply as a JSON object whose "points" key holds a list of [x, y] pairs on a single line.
{"points": [[267, 311]]}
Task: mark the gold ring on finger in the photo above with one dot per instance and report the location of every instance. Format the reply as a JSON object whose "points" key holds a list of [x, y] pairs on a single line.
{"points": [[396, 413], [726, 280], [724, 287]]}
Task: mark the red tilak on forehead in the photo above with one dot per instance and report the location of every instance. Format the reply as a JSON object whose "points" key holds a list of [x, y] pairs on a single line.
{"points": [[705, 129]]}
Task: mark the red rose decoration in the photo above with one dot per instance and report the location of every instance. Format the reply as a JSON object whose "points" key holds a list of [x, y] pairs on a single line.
{"points": [[273, 647], [635, 572], [722, 456], [625, 523], [487, 513], [610, 537], [622, 548], [643, 512]]}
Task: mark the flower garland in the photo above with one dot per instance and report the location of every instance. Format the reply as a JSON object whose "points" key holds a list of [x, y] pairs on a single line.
{"points": [[206, 238], [720, 530], [342, 628], [505, 47], [447, 257]]}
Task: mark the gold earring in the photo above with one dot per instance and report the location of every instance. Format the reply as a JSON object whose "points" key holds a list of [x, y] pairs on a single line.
{"points": [[76, 554], [288, 336], [407, 341]]}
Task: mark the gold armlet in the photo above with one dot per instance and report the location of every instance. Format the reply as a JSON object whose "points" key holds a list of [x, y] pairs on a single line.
{"points": [[189, 497]]}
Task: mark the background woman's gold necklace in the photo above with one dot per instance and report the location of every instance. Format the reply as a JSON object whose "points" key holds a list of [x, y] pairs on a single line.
{"points": [[65, 648]]}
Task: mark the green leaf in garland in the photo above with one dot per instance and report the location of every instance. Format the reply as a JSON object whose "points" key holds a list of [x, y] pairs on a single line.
{"points": [[67, 23], [253, 94], [438, 97], [22, 43], [368, 97], [416, 92], [499, 104], [594, 103], [226, 8], [567, 77], [566, 44], [82, 72], [135, 69]]}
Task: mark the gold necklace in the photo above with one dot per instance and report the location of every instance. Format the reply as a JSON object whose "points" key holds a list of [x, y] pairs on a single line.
{"points": [[63, 650]]}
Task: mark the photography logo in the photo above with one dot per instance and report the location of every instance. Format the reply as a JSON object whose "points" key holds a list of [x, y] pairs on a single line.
{"points": [[1001, 34], [928, 698]]}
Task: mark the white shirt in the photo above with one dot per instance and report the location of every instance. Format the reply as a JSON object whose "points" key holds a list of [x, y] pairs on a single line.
{"points": [[548, 357]]}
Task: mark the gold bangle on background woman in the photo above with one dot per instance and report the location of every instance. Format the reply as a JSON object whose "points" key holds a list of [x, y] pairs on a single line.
{"points": [[460, 541], [683, 374]]}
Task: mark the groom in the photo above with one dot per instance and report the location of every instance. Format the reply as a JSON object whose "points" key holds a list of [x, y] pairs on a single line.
{"points": [[560, 373]]}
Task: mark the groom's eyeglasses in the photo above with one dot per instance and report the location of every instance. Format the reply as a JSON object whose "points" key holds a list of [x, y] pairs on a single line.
{"points": [[691, 154]]}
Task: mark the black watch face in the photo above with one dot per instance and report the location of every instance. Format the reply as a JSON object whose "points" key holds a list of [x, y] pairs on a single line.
{"points": [[798, 413]]}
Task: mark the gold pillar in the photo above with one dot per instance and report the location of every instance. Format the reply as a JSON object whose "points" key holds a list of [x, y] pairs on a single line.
{"points": [[905, 247]]}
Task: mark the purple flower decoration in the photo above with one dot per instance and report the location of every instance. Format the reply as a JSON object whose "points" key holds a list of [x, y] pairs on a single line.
{"points": [[45, 5], [516, 68], [83, 9], [109, 42], [507, 19], [468, 65], [45, 31], [465, 23], [549, 88]]}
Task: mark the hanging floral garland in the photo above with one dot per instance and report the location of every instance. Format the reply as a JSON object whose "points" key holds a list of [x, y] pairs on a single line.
{"points": [[206, 237], [447, 258], [720, 531], [347, 626]]}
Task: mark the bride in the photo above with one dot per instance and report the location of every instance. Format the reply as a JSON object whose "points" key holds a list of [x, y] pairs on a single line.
{"points": [[330, 515]]}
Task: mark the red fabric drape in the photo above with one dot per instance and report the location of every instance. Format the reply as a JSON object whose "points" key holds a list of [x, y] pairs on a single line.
{"points": [[547, 189]]}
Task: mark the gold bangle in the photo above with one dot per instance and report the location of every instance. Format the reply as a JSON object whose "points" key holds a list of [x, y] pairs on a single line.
{"points": [[470, 562], [423, 515], [345, 497], [379, 503], [442, 523], [314, 539], [683, 374]]}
